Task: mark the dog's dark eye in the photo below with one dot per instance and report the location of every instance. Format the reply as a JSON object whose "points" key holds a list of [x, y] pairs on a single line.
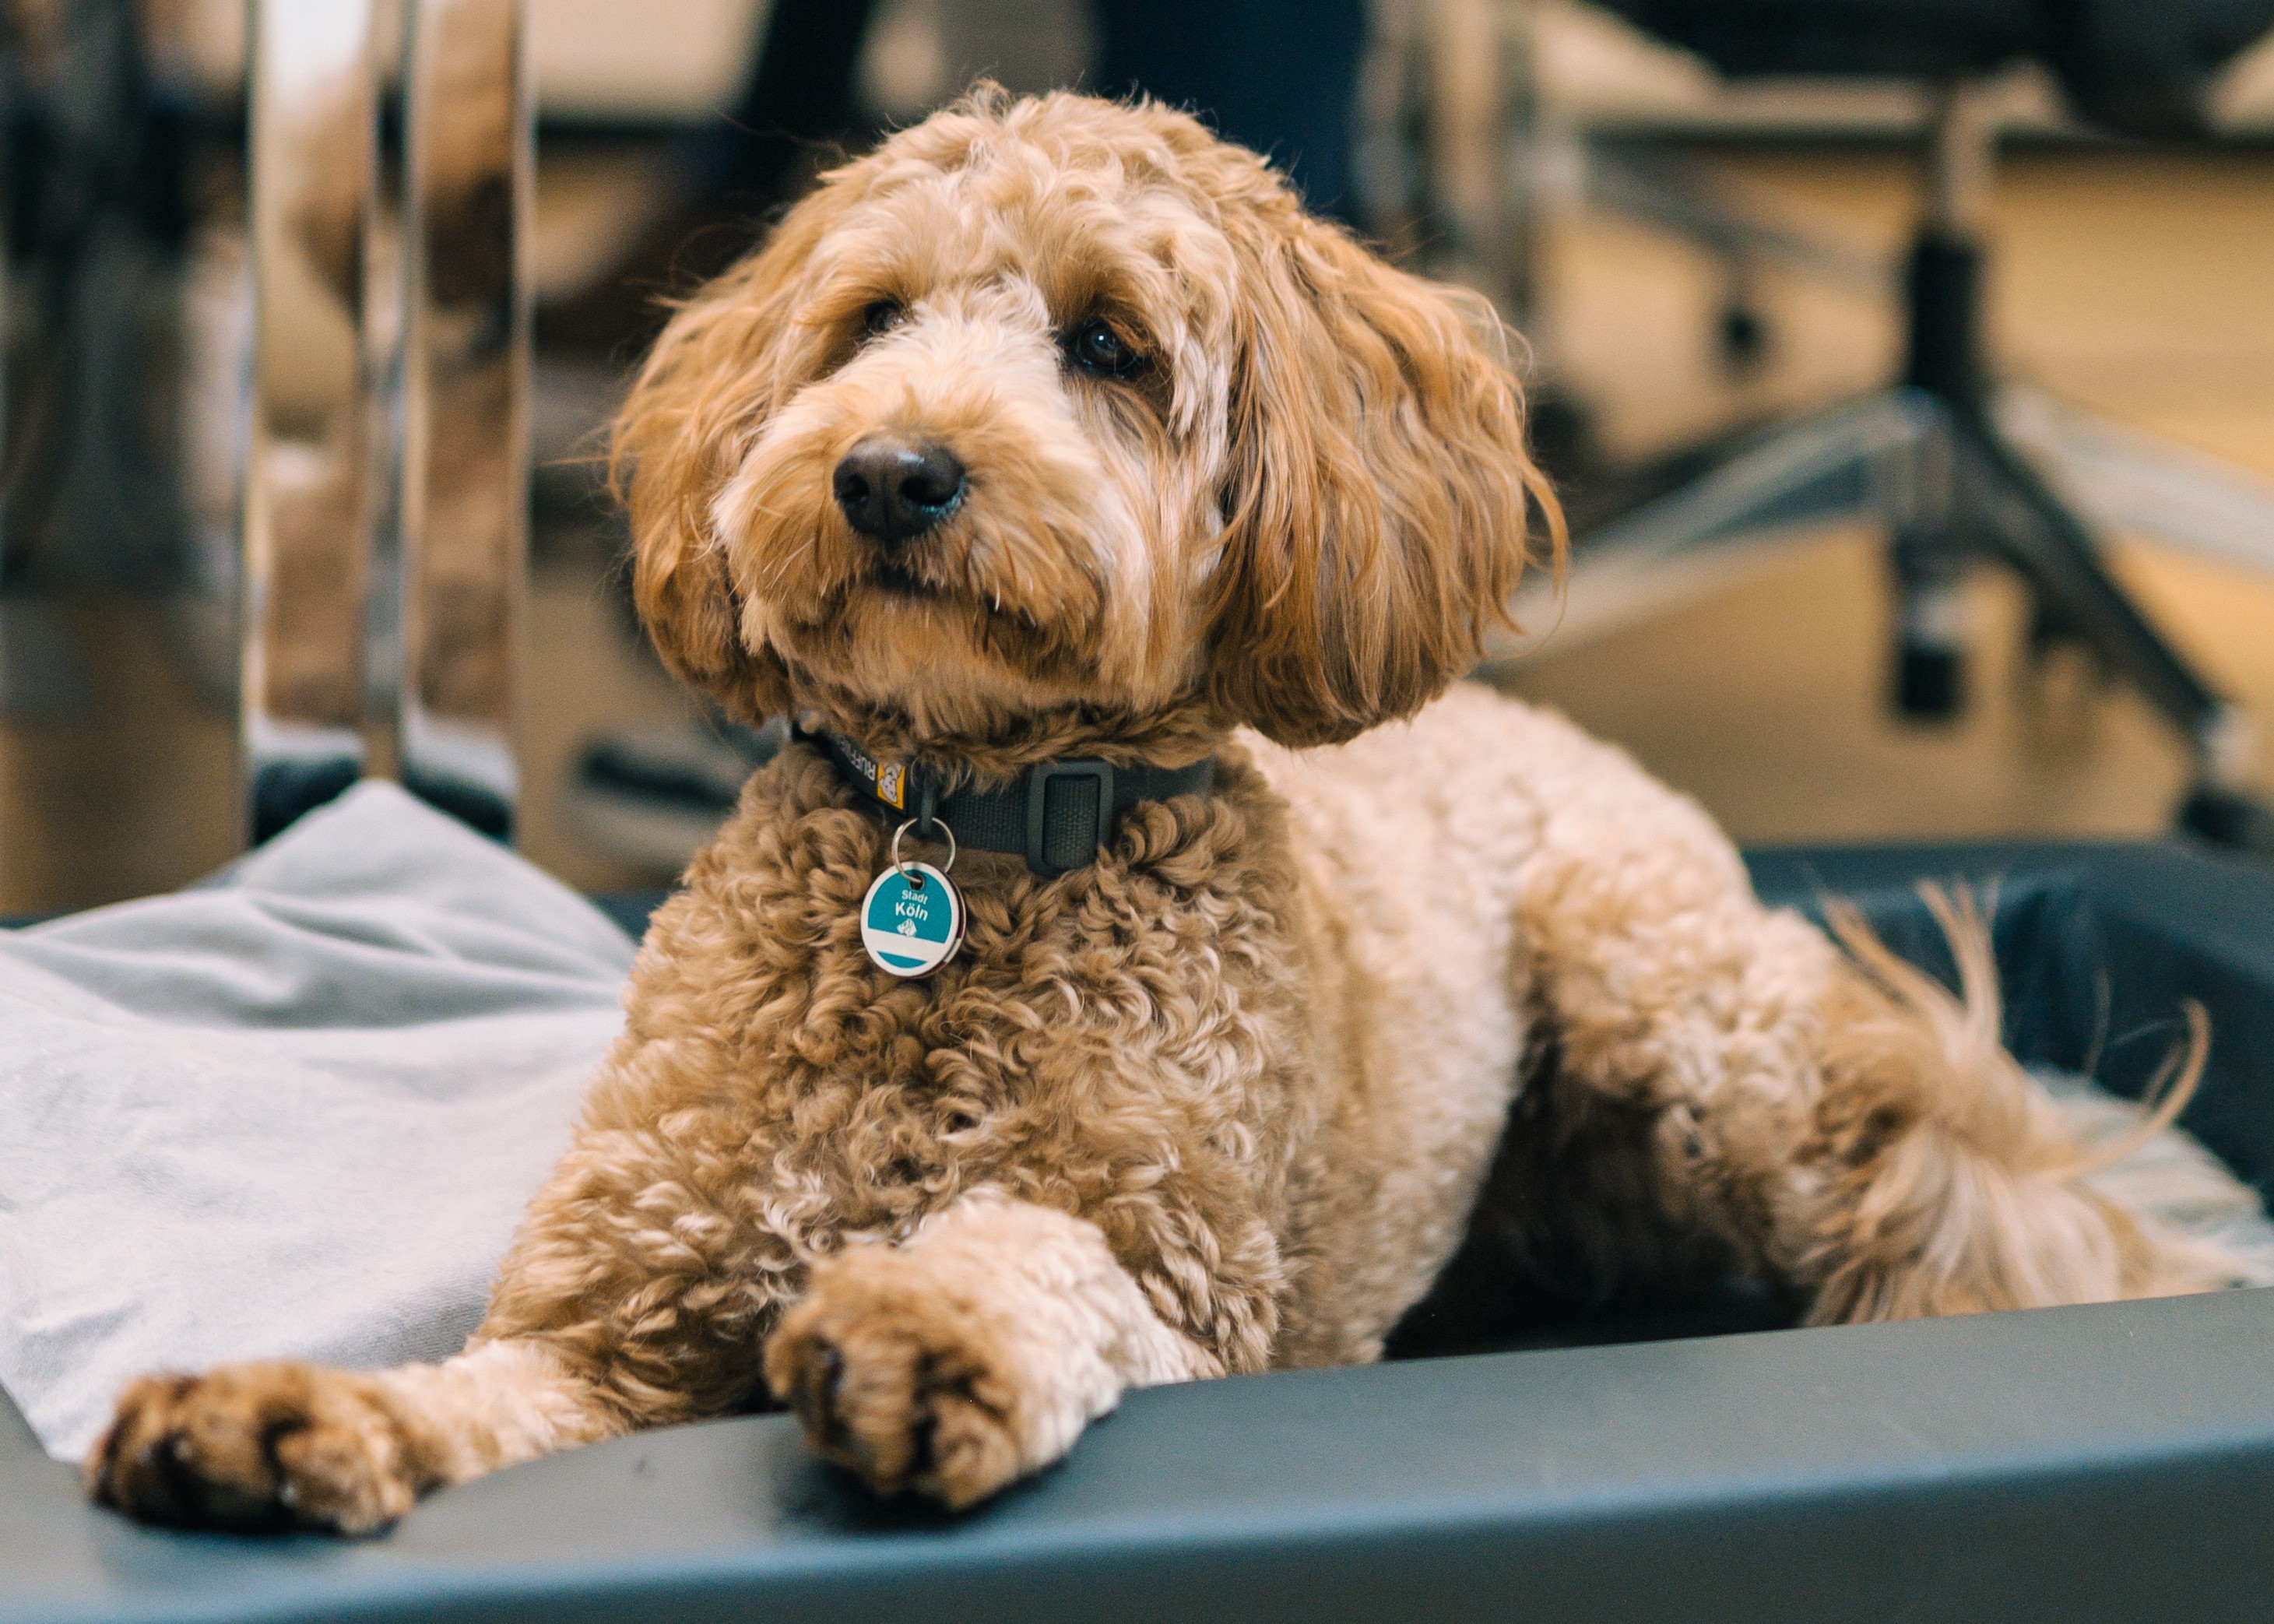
{"points": [[1095, 347], [883, 317]]}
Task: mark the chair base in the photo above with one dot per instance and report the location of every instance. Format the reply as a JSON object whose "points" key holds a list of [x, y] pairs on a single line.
{"points": [[1955, 488], [1954, 470]]}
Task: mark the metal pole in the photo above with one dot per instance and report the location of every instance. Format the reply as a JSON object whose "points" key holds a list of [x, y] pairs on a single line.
{"points": [[465, 377], [306, 511]]}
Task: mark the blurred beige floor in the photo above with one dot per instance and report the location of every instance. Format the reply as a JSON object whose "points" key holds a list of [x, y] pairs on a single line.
{"points": [[2137, 284]]}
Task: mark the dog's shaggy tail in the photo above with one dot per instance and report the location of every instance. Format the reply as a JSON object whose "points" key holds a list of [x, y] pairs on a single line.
{"points": [[1948, 1180]]}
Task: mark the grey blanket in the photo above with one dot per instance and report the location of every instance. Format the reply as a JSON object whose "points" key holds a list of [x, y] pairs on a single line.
{"points": [[295, 1112]]}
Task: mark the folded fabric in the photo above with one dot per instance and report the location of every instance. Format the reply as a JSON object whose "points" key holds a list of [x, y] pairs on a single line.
{"points": [[294, 1112]]}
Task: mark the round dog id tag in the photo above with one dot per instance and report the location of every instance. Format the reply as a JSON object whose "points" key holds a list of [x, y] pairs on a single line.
{"points": [[912, 921]]}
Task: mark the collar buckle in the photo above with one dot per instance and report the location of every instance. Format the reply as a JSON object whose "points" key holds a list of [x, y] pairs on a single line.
{"points": [[1039, 779]]}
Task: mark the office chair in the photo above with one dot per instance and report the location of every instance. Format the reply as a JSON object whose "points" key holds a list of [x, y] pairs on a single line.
{"points": [[1939, 454]]}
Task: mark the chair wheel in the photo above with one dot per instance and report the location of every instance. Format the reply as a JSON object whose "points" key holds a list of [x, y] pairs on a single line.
{"points": [[1929, 682], [2240, 823], [1745, 334]]}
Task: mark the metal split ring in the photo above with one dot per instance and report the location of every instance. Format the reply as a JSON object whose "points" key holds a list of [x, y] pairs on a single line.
{"points": [[901, 868]]}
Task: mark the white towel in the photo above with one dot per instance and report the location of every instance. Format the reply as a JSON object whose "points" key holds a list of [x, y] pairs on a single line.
{"points": [[293, 1113]]}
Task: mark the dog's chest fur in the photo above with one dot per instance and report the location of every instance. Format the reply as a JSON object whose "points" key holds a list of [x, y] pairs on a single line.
{"points": [[1127, 1042], [1212, 1044]]}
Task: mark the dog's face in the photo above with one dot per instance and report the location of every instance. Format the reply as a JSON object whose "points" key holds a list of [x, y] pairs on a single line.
{"points": [[1058, 405]]}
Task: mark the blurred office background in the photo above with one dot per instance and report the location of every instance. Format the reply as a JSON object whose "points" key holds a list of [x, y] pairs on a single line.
{"points": [[1701, 256]]}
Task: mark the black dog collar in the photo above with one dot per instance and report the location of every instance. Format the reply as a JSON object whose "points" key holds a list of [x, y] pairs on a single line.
{"points": [[1056, 815]]}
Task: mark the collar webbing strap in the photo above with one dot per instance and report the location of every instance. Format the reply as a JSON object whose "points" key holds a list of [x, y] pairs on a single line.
{"points": [[1056, 815]]}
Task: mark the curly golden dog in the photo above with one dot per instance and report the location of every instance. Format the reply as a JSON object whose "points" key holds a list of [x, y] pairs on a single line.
{"points": [[1055, 430]]}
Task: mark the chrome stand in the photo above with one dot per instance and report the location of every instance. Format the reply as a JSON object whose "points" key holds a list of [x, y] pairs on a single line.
{"points": [[309, 473], [385, 503], [1954, 470]]}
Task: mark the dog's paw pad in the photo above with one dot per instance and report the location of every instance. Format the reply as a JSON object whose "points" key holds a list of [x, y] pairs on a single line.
{"points": [[254, 1446]]}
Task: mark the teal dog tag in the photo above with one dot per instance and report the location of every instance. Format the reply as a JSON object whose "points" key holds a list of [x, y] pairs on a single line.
{"points": [[912, 921]]}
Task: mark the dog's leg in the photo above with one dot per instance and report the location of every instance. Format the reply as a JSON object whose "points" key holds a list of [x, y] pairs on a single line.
{"points": [[635, 1295], [1687, 1021], [281, 1444], [1874, 1151], [975, 1352]]}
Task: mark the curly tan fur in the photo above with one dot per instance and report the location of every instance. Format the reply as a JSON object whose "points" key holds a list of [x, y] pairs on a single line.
{"points": [[1222, 1100]]}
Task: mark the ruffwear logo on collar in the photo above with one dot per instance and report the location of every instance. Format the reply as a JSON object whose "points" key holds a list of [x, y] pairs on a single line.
{"points": [[888, 784]]}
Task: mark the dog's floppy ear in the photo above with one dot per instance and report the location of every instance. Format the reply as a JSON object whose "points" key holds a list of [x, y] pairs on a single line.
{"points": [[1378, 495], [716, 372]]}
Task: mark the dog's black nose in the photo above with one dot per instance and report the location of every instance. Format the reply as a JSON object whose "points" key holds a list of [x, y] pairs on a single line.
{"points": [[893, 488]]}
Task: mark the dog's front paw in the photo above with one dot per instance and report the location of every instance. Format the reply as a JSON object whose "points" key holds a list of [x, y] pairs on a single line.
{"points": [[257, 1446], [908, 1384]]}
